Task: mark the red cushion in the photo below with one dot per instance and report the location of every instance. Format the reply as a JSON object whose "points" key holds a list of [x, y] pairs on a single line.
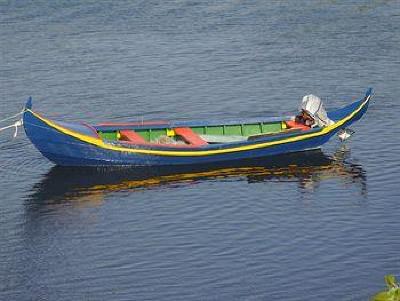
{"points": [[131, 136], [189, 136], [292, 124]]}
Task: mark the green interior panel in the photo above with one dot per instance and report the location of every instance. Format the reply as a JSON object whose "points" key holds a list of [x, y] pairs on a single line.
{"points": [[144, 133], [271, 127], [233, 130], [239, 130], [214, 130], [199, 130], [108, 135], [251, 129], [220, 130], [151, 134]]}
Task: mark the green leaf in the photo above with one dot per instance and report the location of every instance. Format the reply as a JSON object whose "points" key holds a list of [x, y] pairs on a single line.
{"points": [[382, 296], [392, 293], [396, 294], [390, 281]]}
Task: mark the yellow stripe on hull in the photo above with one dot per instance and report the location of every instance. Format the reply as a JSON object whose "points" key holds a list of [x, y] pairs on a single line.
{"points": [[197, 153]]}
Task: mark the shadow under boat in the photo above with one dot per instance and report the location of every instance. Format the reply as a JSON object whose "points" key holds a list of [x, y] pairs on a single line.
{"points": [[308, 169]]}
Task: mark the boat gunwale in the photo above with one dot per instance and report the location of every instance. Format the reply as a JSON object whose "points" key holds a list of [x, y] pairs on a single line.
{"points": [[197, 123], [211, 149]]}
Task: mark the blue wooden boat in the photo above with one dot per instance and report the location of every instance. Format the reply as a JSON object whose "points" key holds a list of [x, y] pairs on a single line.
{"points": [[168, 143]]}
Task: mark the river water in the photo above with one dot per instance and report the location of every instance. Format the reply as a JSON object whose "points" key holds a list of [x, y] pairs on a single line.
{"points": [[321, 225]]}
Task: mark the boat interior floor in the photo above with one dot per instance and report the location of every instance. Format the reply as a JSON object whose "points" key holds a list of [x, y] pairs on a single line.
{"points": [[195, 136]]}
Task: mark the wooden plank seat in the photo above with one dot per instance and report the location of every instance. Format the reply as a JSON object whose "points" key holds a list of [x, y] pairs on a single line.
{"points": [[189, 136], [186, 134], [131, 137]]}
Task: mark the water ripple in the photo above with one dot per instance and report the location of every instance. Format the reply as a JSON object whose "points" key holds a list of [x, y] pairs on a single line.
{"points": [[318, 226]]}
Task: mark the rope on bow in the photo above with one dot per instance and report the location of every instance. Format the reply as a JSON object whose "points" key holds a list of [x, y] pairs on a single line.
{"points": [[16, 124], [14, 116]]}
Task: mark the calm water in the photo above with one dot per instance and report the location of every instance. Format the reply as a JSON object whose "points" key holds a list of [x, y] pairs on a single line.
{"points": [[315, 226]]}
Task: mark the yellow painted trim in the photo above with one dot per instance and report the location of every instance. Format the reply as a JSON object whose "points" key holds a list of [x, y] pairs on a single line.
{"points": [[170, 133], [190, 153]]}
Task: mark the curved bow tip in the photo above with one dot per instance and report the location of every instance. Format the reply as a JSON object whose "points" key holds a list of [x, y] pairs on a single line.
{"points": [[28, 104]]}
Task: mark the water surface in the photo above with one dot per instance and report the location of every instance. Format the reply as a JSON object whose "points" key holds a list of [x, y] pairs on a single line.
{"points": [[314, 226]]}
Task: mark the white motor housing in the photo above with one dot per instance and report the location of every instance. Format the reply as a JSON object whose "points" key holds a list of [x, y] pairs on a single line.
{"points": [[313, 106]]}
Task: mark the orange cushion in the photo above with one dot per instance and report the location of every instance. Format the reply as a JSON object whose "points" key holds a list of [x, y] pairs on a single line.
{"points": [[292, 124], [189, 136], [131, 136]]}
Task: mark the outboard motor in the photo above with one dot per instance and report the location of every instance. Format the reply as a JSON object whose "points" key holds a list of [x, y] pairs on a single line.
{"points": [[313, 106]]}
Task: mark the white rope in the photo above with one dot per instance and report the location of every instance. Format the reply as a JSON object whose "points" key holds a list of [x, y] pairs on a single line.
{"points": [[14, 116], [15, 124]]}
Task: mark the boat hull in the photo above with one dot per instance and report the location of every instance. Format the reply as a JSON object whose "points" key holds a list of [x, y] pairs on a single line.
{"points": [[68, 146]]}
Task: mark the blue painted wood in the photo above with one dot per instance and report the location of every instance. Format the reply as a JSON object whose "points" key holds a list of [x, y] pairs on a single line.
{"points": [[66, 150]]}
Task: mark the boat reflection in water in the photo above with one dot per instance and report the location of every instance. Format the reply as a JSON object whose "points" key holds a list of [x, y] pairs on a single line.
{"points": [[89, 186]]}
